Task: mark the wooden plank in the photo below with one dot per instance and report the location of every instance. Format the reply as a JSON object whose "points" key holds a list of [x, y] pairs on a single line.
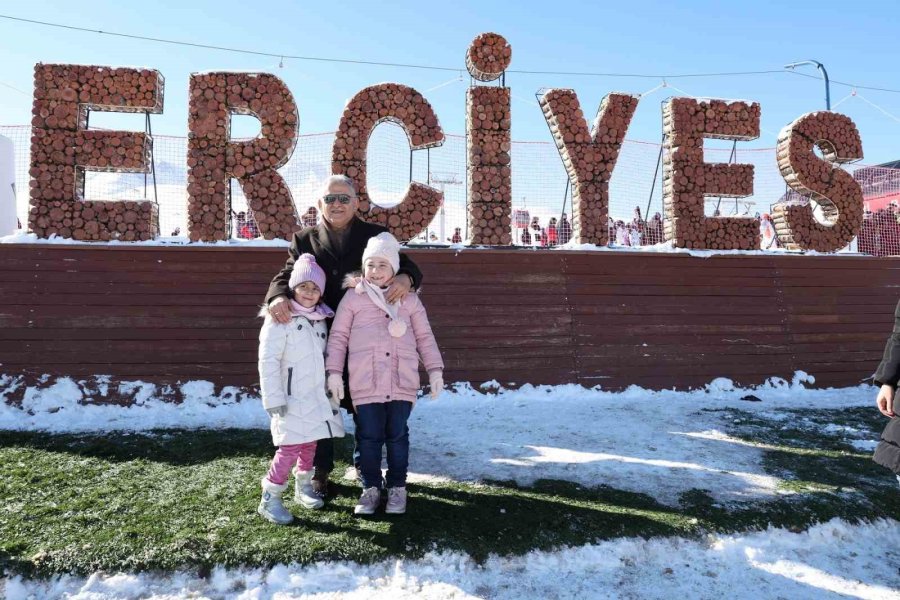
{"points": [[649, 289], [138, 321], [109, 356], [129, 333], [65, 278], [242, 301]]}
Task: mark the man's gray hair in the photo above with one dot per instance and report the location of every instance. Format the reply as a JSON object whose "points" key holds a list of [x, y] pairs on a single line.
{"points": [[341, 179]]}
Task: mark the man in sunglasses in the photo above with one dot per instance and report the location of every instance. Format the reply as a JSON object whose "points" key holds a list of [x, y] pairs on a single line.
{"points": [[337, 243]]}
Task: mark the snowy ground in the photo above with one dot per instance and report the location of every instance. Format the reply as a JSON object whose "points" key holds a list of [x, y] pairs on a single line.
{"points": [[833, 560], [658, 443]]}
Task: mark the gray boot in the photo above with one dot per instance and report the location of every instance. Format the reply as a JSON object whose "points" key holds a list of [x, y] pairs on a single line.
{"points": [[271, 507], [304, 494]]}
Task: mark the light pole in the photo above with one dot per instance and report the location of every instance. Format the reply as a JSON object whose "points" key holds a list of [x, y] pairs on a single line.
{"points": [[821, 67], [443, 180]]}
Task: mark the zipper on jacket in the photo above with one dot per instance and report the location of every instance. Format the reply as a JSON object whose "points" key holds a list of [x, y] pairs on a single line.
{"points": [[327, 424], [290, 376]]}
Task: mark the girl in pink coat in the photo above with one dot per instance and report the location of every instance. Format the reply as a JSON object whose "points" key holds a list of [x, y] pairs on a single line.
{"points": [[382, 344]]}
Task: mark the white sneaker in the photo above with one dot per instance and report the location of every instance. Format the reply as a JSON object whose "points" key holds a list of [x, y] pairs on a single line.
{"points": [[304, 493], [396, 501], [368, 501]]}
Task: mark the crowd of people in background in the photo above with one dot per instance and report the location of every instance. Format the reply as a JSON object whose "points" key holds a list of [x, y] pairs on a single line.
{"points": [[880, 232], [879, 235]]}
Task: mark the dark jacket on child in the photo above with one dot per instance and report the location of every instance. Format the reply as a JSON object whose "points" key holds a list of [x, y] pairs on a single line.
{"points": [[887, 453]]}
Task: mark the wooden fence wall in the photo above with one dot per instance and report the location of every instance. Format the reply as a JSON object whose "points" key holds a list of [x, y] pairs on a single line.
{"points": [[170, 314]]}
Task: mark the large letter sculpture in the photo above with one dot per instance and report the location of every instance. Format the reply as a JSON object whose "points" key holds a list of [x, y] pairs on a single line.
{"points": [[589, 155], [213, 158], [824, 181], [406, 107], [62, 149], [687, 179], [489, 143]]}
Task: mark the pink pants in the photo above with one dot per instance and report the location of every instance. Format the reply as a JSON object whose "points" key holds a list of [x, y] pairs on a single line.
{"points": [[286, 457]]}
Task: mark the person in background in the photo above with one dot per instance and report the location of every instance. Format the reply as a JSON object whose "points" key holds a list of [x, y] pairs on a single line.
{"points": [[552, 232], [337, 243], [457, 236], [310, 217], [768, 237], [536, 230], [634, 235], [565, 230], [240, 220], [655, 232], [621, 234], [638, 227], [526, 237]]}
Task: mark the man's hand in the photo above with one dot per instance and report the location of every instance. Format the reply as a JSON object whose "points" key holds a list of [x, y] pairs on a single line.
{"points": [[277, 411], [885, 400], [398, 289], [280, 309]]}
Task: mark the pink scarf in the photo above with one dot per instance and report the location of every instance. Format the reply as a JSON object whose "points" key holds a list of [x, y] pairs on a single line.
{"points": [[319, 312], [396, 327]]}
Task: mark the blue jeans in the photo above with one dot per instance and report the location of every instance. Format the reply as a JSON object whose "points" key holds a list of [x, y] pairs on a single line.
{"points": [[383, 424]]}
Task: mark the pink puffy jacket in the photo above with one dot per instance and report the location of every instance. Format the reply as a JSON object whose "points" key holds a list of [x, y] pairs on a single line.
{"points": [[382, 368]]}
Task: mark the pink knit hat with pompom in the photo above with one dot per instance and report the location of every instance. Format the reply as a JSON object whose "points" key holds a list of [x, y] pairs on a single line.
{"points": [[306, 269]]}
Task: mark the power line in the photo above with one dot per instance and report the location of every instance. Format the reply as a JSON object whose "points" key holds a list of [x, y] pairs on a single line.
{"points": [[226, 48], [14, 88], [844, 83], [282, 55]]}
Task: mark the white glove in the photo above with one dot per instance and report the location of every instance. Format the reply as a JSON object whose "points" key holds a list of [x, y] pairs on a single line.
{"points": [[436, 379], [277, 411], [335, 385]]}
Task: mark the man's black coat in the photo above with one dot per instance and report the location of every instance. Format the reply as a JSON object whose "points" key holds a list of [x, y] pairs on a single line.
{"points": [[315, 241], [888, 451], [888, 372]]}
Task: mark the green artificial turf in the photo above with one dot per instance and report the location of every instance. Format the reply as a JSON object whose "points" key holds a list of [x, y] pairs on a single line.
{"points": [[187, 500]]}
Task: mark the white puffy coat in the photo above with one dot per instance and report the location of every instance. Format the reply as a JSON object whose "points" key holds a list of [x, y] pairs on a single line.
{"points": [[292, 373]]}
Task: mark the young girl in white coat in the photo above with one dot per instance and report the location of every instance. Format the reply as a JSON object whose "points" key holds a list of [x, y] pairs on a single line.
{"points": [[292, 383]]}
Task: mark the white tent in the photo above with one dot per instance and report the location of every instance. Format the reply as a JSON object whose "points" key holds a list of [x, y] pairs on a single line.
{"points": [[8, 222]]}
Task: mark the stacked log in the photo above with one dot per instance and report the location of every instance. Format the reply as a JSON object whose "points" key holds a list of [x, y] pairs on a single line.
{"points": [[61, 151], [407, 108], [819, 179], [213, 158], [488, 56], [588, 155], [687, 179], [489, 165]]}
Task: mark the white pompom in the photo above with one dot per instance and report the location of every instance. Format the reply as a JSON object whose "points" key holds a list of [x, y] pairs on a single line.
{"points": [[396, 328]]}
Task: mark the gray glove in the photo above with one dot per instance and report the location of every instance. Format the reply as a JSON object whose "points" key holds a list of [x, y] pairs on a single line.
{"points": [[277, 411]]}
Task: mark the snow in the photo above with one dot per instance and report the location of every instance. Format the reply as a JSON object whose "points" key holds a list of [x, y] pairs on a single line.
{"points": [[657, 442], [831, 560], [661, 443]]}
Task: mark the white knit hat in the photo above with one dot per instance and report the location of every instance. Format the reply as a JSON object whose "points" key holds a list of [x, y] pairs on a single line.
{"points": [[385, 246]]}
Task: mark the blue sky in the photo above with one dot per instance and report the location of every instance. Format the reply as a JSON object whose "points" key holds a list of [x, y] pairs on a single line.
{"points": [[856, 43]]}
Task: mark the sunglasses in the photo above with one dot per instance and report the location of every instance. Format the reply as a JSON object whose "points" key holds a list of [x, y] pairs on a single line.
{"points": [[342, 198]]}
